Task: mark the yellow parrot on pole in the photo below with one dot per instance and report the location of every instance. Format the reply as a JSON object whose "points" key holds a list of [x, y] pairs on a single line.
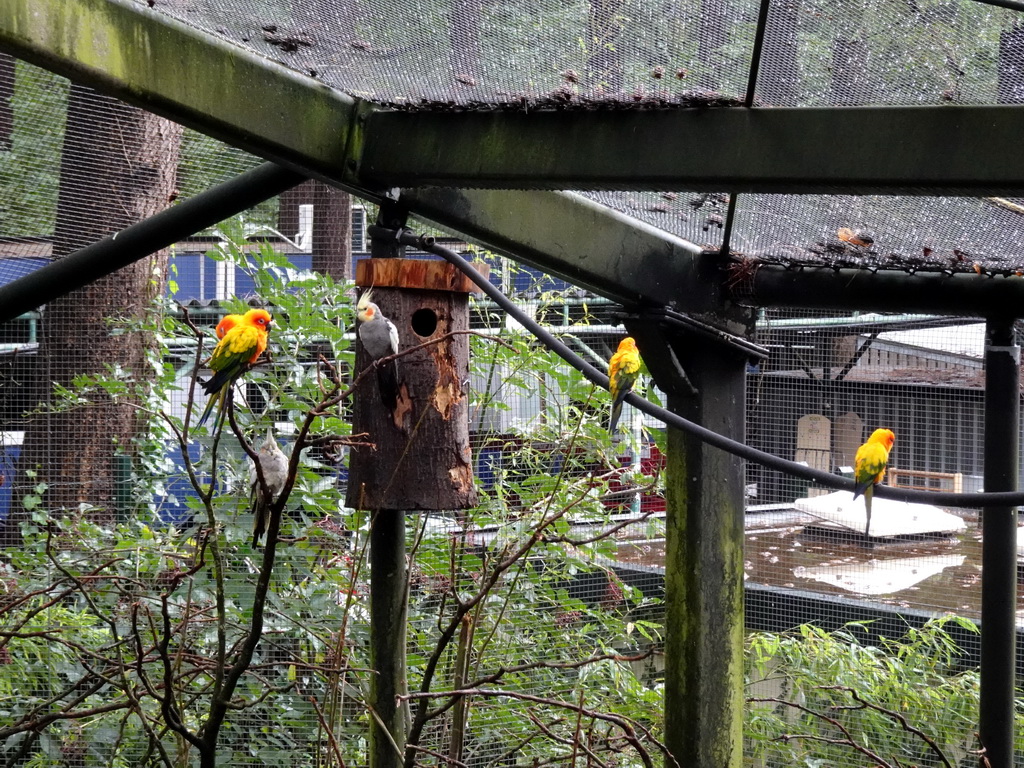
{"points": [[240, 347], [869, 467], [623, 371]]}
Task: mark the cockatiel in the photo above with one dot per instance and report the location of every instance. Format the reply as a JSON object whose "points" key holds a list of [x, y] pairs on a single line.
{"points": [[379, 338], [623, 370], [274, 463], [869, 467], [240, 347]]}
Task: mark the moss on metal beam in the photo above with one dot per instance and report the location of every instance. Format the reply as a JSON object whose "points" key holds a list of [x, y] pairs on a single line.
{"points": [[883, 291], [148, 59], [957, 150], [704, 566], [579, 240]]}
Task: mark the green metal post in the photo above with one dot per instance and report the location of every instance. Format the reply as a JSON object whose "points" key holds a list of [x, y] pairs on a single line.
{"points": [[999, 547], [704, 566], [388, 588]]}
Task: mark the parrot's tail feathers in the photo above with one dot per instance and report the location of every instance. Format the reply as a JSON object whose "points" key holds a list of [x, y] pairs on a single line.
{"points": [[863, 487], [208, 410], [613, 421], [869, 493], [259, 526], [388, 384], [215, 382]]}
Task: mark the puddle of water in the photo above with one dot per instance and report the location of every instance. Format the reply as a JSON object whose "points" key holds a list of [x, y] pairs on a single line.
{"points": [[940, 575]]}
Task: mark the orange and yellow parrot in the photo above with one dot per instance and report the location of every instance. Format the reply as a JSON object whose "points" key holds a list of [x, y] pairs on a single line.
{"points": [[623, 370], [240, 346], [227, 323], [869, 467]]}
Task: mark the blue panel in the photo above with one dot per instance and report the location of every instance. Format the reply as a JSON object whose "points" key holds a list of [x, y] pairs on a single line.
{"points": [[487, 467], [187, 277], [8, 466], [12, 269], [245, 286], [177, 512], [301, 260]]}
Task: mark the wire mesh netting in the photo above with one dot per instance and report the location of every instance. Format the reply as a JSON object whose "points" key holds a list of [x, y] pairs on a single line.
{"points": [[431, 54], [634, 53], [129, 589]]}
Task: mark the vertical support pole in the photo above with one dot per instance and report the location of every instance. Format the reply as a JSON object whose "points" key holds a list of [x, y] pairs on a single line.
{"points": [[388, 589], [704, 565], [999, 545], [388, 609]]}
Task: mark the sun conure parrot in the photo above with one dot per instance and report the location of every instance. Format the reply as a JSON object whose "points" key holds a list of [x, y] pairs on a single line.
{"points": [[274, 464], [623, 370], [379, 338], [226, 324], [869, 467], [240, 347]]}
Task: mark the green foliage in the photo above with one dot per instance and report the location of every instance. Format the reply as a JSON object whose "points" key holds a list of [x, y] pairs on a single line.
{"points": [[916, 676], [126, 611], [516, 600]]}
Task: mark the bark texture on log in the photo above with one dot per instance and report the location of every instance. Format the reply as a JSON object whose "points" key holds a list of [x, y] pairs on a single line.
{"points": [[424, 461]]}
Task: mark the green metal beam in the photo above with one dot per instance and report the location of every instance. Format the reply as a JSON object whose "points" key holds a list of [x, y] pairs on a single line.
{"points": [[152, 61], [704, 563], [950, 150], [574, 238], [882, 291], [148, 59]]}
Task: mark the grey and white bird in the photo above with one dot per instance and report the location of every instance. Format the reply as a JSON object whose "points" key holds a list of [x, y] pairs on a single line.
{"points": [[379, 338], [274, 464]]}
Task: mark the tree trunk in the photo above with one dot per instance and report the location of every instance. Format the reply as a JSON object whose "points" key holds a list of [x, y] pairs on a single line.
{"points": [[118, 167], [713, 36], [779, 82], [464, 37], [850, 83], [332, 225]]}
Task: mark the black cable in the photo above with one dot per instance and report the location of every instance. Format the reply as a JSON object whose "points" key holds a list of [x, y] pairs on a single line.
{"points": [[742, 450]]}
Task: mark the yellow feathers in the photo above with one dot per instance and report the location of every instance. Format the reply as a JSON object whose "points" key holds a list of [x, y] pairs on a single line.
{"points": [[869, 467], [623, 370], [242, 340]]}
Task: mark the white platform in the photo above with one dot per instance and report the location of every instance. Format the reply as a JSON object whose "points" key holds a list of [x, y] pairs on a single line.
{"points": [[888, 518]]}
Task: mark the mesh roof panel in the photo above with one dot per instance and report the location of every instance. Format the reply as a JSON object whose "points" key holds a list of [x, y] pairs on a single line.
{"points": [[30, 174], [629, 52], [694, 216], [461, 52], [934, 233], [887, 52]]}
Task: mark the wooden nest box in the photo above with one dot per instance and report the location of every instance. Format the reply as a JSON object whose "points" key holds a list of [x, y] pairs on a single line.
{"points": [[422, 459]]}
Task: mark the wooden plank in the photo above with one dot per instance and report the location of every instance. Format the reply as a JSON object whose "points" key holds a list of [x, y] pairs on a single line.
{"points": [[422, 274]]}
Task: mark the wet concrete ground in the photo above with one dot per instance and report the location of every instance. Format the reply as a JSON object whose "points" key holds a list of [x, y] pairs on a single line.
{"points": [[784, 548]]}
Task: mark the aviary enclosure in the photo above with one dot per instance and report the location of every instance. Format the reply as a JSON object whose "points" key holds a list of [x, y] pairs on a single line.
{"points": [[805, 214]]}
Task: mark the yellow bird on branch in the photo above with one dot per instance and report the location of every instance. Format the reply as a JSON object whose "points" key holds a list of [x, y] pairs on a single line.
{"points": [[240, 346], [623, 371]]}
